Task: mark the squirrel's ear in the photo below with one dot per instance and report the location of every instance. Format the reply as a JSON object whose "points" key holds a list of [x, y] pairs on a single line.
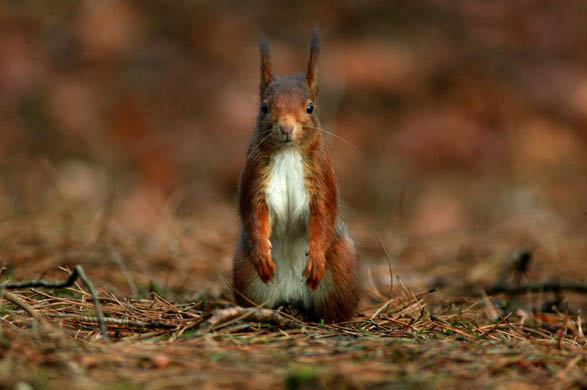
{"points": [[312, 71], [266, 74]]}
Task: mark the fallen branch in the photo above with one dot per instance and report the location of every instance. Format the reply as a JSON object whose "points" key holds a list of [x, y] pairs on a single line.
{"points": [[516, 268], [78, 272], [117, 321], [535, 287], [256, 314]]}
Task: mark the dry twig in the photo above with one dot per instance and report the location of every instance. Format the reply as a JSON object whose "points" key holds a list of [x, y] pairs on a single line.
{"points": [[117, 321], [78, 272], [224, 316]]}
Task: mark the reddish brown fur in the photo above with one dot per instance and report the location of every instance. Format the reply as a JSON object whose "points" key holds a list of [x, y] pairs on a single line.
{"points": [[340, 258], [321, 187], [312, 71], [288, 97], [254, 214]]}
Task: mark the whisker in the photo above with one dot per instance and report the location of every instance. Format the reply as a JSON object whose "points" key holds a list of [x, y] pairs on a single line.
{"points": [[259, 144], [263, 139], [246, 131], [336, 136]]}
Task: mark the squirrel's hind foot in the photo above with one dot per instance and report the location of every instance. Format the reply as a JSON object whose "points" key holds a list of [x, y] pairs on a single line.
{"points": [[296, 311]]}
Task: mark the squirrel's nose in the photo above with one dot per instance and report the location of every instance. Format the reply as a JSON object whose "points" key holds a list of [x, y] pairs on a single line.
{"points": [[285, 129]]}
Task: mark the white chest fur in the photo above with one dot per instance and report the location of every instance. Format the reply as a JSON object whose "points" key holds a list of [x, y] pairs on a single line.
{"points": [[289, 209], [287, 198]]}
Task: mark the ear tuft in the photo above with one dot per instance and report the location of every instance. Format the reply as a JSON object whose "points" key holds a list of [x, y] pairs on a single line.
{"points": [[266, 73], [312, 71]]}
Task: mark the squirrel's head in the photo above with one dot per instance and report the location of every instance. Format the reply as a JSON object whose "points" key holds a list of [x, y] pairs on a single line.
{"points": [[288, 109]]}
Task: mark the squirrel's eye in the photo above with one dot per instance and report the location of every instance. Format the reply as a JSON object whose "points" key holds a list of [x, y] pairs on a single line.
{"points": [[264, 108], [310, 108]]}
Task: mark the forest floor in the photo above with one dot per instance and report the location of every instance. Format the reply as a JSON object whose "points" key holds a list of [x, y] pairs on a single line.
{"points": [[171, 321]]}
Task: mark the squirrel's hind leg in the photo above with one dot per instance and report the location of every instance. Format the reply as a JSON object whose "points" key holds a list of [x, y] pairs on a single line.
{"points": [[243, 273], [341, 303]]}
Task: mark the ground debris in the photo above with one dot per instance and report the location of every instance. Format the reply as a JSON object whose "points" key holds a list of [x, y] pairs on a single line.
{"points": [[412, 337]]}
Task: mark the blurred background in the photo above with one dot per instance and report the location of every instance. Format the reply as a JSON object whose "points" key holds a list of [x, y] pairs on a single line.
{"points": [[124, 125]]}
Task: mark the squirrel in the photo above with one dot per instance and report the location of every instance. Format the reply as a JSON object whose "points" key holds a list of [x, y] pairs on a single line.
{"points": [[294, 250]]}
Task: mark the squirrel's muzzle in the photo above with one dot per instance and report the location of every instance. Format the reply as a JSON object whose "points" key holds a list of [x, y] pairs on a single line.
{"points": [[286, 130]]}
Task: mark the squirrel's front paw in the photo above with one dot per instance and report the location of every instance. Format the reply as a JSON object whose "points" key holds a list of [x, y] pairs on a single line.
{"points": [[264, 264], [314, 271]]}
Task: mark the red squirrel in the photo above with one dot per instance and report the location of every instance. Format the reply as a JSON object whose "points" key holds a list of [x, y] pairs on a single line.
{"points": [[294, 249]]}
